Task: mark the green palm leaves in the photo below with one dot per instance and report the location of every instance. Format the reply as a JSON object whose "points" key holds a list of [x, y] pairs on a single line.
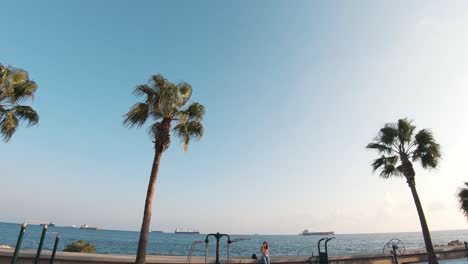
{"points": [[396, 142], [463, 199], [164, 102], [15, 88]]}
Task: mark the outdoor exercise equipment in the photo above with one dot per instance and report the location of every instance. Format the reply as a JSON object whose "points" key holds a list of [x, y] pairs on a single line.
{"points": [[394, 248]]}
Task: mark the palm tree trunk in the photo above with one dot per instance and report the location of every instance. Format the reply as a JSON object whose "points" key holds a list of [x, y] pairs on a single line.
{"points": [[161, 143], [145, 226], [409, 173], [431, 256]]}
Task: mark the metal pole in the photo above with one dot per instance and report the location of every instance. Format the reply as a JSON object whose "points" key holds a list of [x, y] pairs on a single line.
{"points": [[228, 248], [206, 250], [18, 243], [229, 242], [326, 242], [52, 257], [466, 248], [318, 244], [395, 258], [217, 247], [41, 243]]}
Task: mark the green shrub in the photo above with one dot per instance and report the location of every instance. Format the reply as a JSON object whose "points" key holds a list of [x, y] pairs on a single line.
{"points": [[80, 246]]}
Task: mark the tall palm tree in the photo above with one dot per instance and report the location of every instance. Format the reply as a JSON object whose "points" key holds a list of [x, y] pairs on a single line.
{"points": [[463, 199], [15, 88], [400, 147], [163, 103]]}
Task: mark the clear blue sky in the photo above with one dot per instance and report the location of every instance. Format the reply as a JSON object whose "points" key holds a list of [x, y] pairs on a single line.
{"points": [[293, 90]]}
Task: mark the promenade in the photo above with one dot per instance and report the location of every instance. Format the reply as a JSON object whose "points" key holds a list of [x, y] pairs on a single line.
{"points": [[411, 256]]}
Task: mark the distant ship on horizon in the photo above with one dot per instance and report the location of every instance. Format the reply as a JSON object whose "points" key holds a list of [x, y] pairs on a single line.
{"points": [[308, 233], [185, 231], [88, 227]]}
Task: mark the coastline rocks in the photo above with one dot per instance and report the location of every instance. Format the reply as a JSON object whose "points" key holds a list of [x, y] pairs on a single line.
{"points": [[5, 247], [455, 243], [450, 244]]}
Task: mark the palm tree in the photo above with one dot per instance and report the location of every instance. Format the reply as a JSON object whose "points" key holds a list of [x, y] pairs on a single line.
{"points": [[463, 199], [400, 147], [15, 88], [163, 103]]}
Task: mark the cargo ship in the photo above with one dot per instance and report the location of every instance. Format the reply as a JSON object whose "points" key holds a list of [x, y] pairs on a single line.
{"points": [[308, 233], [186, 231], [89, 227]]}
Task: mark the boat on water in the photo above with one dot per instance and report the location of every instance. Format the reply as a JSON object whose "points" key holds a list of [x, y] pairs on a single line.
{"points": [[186, 231], [308, 233], [89, 227]]}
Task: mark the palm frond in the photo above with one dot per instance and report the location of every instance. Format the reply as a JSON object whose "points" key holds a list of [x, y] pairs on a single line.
{"points": [[387, 166], [26, 113], [19, 76], [381, 148], [8, 125], [187, 131], [185, 92], [389, 171], [146, 90], [168, 92], [168, 104], [463, 199], [4, 75], [194, 112], [388, 134], [159, 82], [137, 115], [405, 130], [429, 161], [22, 91], [427, 149], [15, 85]]}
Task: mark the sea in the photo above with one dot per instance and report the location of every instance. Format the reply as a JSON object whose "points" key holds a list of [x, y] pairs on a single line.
{"points": [[125, 242]]}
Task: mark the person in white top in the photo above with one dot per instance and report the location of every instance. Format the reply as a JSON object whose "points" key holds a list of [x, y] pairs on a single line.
{"points": [[265, 253]]}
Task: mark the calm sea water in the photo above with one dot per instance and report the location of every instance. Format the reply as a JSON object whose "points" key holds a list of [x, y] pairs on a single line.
{"points": [[125, 242]]}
